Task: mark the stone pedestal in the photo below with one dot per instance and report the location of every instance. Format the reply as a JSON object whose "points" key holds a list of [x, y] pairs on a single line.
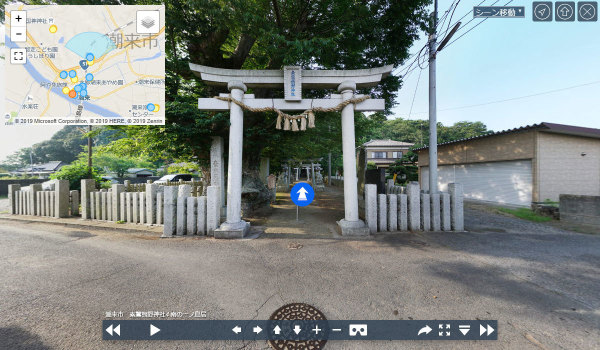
{"points": [[233, 230]]}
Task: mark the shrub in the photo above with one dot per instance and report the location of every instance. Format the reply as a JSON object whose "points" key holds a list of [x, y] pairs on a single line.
{"points": [[76, 172]]}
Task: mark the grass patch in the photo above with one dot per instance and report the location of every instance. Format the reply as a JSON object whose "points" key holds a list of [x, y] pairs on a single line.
{"points": [[525, 214]]}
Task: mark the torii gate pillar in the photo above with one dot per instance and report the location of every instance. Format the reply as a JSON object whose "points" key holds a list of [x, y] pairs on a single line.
{"points": [[350, 225], [234, 226]]}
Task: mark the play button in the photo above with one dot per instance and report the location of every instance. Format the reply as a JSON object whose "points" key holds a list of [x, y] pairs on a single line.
{"points": [[153, 329]]}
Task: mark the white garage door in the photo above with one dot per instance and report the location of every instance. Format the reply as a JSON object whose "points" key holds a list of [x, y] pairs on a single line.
{"points": [[502, 182]]}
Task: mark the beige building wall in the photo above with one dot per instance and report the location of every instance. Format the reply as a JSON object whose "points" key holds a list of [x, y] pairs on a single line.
{"points": [[563, 170], [511, 146], [384, 162]]}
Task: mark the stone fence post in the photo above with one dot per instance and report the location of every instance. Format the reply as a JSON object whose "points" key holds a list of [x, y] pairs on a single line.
{"points": [[87, 186], [371, 207], [12, 189], [456, 203], [117, 189], [414, 210], [170, 211], [61, 199]]}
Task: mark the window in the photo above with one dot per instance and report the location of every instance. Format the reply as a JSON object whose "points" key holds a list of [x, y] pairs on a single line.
{"points": [[397, 155], [379, 155]]}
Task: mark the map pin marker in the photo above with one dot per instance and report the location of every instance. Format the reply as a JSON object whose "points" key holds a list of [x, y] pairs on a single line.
{"points": [[83, 64]]}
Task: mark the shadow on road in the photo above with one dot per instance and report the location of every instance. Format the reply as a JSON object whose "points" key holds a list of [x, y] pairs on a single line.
{"points": [[19, 339]]}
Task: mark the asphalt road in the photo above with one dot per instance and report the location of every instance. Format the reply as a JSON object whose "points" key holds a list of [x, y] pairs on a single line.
{"points": [[541, 283]]}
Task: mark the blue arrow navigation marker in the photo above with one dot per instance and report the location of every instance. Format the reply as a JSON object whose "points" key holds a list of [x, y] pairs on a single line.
{"points": [[302, 194], [83, 64]]}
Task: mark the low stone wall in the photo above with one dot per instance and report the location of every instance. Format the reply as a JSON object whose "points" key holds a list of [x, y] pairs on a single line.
{"points": [[407, 209], [59, 203], [337, 181], [580, 210], [189, 216]]}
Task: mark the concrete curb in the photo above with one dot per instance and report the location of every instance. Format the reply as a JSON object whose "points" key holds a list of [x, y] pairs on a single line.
{"points": [[80, 223]]}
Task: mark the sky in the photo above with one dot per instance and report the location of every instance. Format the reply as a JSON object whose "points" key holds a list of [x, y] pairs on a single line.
{"points": [[505, 58], [500, 59]]}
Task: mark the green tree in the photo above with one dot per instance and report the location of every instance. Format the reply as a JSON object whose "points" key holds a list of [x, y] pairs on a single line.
{"points": [[75, 172], [184, 168], [417, 131], [265, 34], [111, 162]]}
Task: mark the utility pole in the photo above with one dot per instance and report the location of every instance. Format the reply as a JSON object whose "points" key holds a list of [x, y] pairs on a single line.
{"points": [[433, 50], [433, 171], [329, 164], [89, 152]]}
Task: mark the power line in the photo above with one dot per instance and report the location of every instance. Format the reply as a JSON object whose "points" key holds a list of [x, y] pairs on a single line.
{"points": [[440, 24], [415, 94], [475, 26], [518, 97], [460, 19]]}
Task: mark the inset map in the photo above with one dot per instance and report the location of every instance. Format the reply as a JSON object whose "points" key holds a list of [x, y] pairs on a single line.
{"points": [[85, 64]]}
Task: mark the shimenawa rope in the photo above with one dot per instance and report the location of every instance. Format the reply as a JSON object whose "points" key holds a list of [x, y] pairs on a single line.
{"points": [[291, 121]]}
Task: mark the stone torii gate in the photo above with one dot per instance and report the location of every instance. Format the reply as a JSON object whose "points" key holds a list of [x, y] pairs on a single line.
{"points": [[292, 79]]}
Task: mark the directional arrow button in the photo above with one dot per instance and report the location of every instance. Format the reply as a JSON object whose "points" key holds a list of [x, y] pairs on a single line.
{"points": [[237, 329], [257, 329], [490, 330], [277, 330], [117, 330], [297, 329], [109, 330], [482, 330], [425, 330], [153, 329]]}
